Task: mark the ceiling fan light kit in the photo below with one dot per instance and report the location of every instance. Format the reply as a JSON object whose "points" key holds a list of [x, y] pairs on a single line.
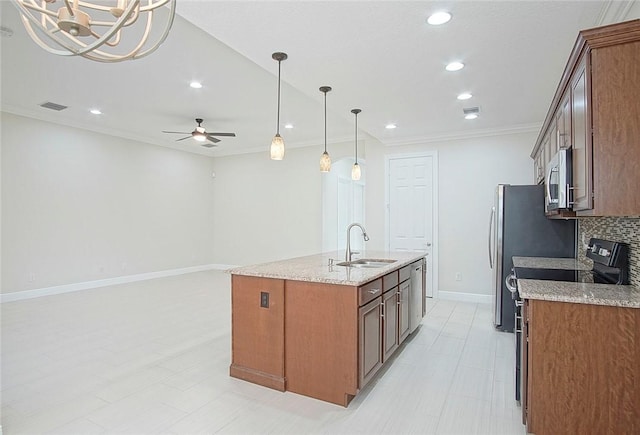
{"points": [[325, 159], [201, 135], [277, 143], [102, 25]]}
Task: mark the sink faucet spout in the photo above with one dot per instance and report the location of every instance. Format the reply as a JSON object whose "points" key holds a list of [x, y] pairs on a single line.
{"points": [[348, 253]]}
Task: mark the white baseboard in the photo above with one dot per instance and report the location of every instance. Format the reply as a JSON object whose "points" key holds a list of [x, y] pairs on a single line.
{"points": [[66, 288], [465, 297]]}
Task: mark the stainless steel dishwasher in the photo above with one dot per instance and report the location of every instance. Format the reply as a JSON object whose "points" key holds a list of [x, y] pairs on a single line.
{"points": [[415, 295]]}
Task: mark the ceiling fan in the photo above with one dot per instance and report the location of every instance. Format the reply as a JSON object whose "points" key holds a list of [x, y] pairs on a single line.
{"points": [[201, 135]]}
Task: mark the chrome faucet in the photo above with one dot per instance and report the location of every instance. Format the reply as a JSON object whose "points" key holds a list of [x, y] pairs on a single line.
{"points": [[348, 253]]}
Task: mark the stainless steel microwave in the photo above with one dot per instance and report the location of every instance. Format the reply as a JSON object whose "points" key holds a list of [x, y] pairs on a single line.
{"points": [[558, 181]]}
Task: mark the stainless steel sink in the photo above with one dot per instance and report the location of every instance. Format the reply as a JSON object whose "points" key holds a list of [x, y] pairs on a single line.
{"points": [[366, 263]]}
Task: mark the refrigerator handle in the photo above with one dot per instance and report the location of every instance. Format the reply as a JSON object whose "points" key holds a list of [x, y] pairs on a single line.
{"points": [[493, 212]]}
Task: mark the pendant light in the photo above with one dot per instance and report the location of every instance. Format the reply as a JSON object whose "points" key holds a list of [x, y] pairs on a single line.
{"points": [[277, 144], [325, 160], [355, 170]]}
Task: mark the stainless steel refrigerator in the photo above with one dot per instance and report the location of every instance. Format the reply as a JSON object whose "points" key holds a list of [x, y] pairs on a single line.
{"points": [[518, 227]]}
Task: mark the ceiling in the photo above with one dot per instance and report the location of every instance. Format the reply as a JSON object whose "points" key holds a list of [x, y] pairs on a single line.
{"points": [[379, 56]]}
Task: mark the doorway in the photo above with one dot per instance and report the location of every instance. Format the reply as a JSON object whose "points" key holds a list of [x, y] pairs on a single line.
{"points": [[343, 202], [411, 191]]}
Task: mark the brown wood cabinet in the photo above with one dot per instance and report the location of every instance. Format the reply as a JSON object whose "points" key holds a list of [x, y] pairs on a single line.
{"points": [[582, 151], [595, 112], [582, 367], [390, 310], [403, 311], [370, 347]]}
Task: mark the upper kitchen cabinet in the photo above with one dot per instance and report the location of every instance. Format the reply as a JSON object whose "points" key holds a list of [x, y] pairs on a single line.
{"points": [[596, 113]]}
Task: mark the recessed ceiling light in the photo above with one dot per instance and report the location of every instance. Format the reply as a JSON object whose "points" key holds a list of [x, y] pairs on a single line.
{"points": [[471, 116], [390, 126], [288, 126], [439, 18], [454, 66], [464, 96], [195, 85], [96, 111]]}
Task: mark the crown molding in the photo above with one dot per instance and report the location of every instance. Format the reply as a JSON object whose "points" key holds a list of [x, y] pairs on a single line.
{"points": [[516, 129]]}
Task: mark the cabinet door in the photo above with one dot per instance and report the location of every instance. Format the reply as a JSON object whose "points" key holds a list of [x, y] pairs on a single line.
{"points": [[548, 152], [390, 323], [370, 340], [581, 133], [564, 122], [403, 311], [538, 166]]}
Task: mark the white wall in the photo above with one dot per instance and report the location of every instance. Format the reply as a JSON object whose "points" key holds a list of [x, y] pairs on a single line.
{"points": [[79, 206], [269, 210], [469, 170]]}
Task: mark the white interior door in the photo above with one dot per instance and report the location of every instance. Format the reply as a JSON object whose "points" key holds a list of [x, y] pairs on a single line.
{"points": [[411, 209]]}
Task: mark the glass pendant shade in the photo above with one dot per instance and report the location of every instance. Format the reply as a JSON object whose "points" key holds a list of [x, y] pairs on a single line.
{"points": [[277, 144], [325, 162], [355, 172], [325, 159], [277, 148]]}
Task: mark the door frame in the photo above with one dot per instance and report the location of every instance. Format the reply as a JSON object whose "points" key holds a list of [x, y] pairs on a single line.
{"points": [[434, 175]]}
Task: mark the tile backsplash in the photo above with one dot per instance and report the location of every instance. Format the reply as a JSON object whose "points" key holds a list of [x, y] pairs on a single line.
{"points": [[617, 229]]}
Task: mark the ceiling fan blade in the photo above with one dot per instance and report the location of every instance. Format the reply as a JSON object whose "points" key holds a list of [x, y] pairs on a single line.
{"points": [[222, 134], [209, 145], [212, 139], [177, 132], [188, 137]]}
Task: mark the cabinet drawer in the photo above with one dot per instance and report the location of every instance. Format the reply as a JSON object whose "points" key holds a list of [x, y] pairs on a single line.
{"points": [[369, 291], [405, 273], [389, 281]]}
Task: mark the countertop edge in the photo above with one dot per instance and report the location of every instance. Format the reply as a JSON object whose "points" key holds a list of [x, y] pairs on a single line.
{"points": [[557, 291], [321, 272]]}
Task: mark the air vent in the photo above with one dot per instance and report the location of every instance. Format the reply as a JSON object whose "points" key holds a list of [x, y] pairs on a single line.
{"points": [[470, 110], [53, 106]]}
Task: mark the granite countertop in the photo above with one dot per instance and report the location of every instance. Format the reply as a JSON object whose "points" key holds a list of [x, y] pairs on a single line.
{"points": [[549, 263], [580, 293], [315, 268]]}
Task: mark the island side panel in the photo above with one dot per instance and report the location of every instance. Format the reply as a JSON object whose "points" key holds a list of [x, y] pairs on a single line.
{"points": [[257, 333], [321, 341]]}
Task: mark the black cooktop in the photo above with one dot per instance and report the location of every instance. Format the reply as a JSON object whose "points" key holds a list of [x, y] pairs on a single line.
{"points": [[567, 275], [610, 266]]}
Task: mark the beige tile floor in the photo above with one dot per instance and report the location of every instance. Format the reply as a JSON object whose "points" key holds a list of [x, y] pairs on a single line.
{"points": [[153, 357]]}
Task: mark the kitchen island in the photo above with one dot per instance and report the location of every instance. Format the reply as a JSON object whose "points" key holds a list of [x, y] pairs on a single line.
{"points": [[313, 327]]}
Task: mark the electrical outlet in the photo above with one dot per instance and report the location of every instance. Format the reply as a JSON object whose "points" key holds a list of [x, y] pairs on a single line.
{"points": [[31, 276], [458, 276], [264, 299]]}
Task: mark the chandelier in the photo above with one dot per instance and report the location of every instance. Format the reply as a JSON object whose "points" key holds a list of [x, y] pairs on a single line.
{"points": [[94, 30]]}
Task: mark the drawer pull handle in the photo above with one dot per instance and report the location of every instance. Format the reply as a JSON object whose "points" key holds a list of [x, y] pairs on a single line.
{"points": [[373, 291]]}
